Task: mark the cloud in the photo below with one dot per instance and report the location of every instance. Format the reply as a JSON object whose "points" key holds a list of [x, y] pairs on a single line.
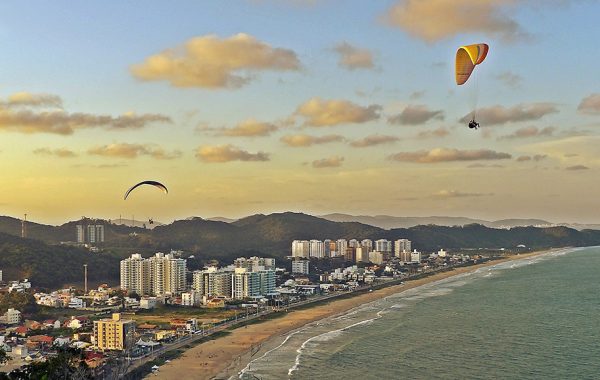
{"points": [[330, 162], [125, 150], [416, 95], [458, 194], [436, 20], [64, 123], [374, 140], [496, 115], [527, 132], [211, 62], [447, 155], [590, 104], [439, 132], [577, 167], [536, 158], [59, 152], [320, 113], [416, 115], [475, 166], [352, 57], [248, 128], [307, 140], [34, 100], [227, 153], [510, 79]]}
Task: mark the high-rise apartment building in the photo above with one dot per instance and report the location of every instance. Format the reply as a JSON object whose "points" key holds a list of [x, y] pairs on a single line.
{"points": [[300, 248], [341, 245], [159, 275], [367, 244], [317, 249], [401, 245], [300, 266], [383, 245], [135, 274], [114, 333], [362, 255], [232, 282], [89, 233], [255, 263]]}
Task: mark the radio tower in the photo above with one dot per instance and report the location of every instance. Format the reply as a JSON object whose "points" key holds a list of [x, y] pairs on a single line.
{"points": [[85, 278], [24, 227]]}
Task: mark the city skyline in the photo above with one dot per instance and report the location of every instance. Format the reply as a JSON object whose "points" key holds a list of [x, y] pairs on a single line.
{"points": [[311, 106]]}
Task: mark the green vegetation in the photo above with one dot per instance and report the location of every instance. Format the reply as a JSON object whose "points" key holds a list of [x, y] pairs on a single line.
{"points": [[52, 266], [264, 235], [68, 364], [22, 301]]}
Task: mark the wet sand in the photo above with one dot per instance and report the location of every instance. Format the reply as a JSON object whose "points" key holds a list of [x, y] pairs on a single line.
{"points": [[226, 356]]}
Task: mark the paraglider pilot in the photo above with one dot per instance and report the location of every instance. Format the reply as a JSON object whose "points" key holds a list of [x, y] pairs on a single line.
{"points": [[473, 124]]}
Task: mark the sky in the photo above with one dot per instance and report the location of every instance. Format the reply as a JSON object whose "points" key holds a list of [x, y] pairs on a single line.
{"points": [[321, 106]]}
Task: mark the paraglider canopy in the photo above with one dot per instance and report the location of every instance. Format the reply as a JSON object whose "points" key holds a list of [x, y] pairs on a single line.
{"points": [[467, 57], [156, 184]]}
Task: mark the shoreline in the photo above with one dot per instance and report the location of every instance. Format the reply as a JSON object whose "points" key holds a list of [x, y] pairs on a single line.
{"points": [[226, 356]]}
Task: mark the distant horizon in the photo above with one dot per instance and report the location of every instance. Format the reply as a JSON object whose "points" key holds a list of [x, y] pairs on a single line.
{"points": [[322, 215]]}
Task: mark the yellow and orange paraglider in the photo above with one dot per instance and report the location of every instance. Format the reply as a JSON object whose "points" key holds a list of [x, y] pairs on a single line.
{"points": [[467, 57]]}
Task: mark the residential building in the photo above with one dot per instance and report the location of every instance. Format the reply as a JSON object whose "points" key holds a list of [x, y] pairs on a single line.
{"points": [[255, 263], [114, 333], [415, 256], [300, 248], [316, 249], [192, 298], [376, 257], [159, 275], [300, 266], [340, 247], [362, 255], [367, 244], [232, 282], [135, 274], [90, 233], [12, 316], [401, 245], [383, 245], [350, 254]]}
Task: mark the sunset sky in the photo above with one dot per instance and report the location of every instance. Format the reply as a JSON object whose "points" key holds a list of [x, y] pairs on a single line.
{"points": [[260, 106]]}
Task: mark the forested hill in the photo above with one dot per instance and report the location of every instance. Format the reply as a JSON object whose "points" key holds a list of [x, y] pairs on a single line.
{"points": [[47, 263], [52, 266]]}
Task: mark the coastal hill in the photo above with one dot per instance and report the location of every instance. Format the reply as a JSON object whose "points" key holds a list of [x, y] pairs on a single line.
{"points": [[389, 222], [52, 266], [42, 258]]}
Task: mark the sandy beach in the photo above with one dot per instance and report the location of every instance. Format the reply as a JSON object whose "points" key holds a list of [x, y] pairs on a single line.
{"points": [[226, 356]]}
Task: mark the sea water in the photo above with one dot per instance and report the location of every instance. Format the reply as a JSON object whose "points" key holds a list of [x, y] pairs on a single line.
{"points": [[533, 318]]}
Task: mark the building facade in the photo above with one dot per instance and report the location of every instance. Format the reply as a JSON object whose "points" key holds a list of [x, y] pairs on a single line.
{"points": [[159, 275], [402, 245], [114, 333]]}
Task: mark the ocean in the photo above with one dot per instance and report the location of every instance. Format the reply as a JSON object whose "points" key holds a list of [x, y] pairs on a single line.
{"points": [[534, 318]]}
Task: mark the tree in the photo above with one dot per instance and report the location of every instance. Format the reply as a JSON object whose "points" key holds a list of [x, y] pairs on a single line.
{"points": [[68, 364], [3, 356]]}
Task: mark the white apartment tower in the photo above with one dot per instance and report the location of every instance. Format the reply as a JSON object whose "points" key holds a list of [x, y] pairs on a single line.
{"points": [[341, 246], [317, 249], [159, 275]]}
